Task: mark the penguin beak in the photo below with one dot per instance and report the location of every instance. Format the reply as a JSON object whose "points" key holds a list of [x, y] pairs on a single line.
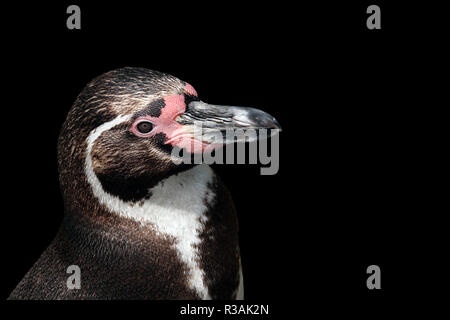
{"points": [[213, 121]]}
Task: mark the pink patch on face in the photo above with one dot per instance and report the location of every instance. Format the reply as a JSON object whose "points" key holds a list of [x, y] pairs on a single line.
{"points": [[190, 90], [176, 133]]}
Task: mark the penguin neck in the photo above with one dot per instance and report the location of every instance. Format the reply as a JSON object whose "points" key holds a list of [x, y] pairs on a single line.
{"points": [[172, 218], [182, 194]]}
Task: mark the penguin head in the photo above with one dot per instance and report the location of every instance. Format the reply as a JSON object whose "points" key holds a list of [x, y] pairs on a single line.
{"points": [[122, 129]]}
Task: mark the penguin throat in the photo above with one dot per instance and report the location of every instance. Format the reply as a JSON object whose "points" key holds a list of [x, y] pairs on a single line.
{"points": [[134, 189]]}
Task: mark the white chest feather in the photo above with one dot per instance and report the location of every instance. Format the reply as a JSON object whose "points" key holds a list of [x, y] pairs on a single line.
{"points": [[176, 208]]}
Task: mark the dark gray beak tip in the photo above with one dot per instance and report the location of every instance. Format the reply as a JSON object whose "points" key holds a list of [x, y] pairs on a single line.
{"points": [[264, 120], [275, 124]]}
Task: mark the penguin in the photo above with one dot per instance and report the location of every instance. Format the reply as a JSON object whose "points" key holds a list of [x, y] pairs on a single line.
{"points": [[138, 224]]}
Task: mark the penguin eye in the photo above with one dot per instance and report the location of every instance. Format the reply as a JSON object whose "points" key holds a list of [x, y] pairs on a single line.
{"points": [[144, 126]]}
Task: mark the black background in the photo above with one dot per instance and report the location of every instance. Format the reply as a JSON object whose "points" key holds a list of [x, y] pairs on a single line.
{"points": [[346, 194]]}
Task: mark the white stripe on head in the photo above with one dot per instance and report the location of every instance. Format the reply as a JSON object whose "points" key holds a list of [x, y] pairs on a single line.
{"points": [[176, 208]]}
